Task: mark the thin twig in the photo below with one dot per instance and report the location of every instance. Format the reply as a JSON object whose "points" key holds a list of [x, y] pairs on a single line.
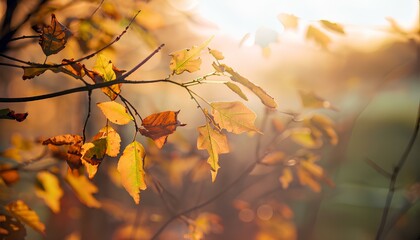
{"points": [[24, 37], [97, 8], [21, 165], [88, 115], [380, 170]]}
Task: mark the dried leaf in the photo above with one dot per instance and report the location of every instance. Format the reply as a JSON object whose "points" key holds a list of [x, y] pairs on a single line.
{"points": [[215, 143], [54, 37], [51, 191], [115, 112], [235, 117], [112, 138], [216, 54], [73, 67], [73, 152], [266, 99], [21, 211], [130, 166], [187, 59], [318, 36], [84, 190], [306, 179], [31, 72], [10, 114], [159, 125], [332, 26], [288, 21], [236, 90], [108, 72]]}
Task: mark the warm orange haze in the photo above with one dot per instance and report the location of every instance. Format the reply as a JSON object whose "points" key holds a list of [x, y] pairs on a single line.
{"points": [[187, 119]]}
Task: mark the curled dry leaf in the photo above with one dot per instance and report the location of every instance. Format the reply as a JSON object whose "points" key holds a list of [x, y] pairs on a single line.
{"points": [[115, 112], [21, 211], [73, 152], [159, 125], [92, 155], [216, 54], [10, 114], [31, 72], [112, 138], [73, 67], [53, 37]]}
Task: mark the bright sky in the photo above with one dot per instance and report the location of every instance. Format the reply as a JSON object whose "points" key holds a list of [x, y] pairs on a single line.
{"points": [[238, 17]]}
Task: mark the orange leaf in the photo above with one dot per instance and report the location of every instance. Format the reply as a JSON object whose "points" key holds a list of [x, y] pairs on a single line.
{"points": [[73, 67], [286, 178], [159, 125], [31, 72], [84, 189], [21, 211], [53, 37], [73, 152]]}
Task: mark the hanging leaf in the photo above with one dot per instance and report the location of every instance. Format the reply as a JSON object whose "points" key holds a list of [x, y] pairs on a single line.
{"points": [[318, 36], [266, 99], [11, 228], [31, 72], [50, 191], [73, 152], [53, 37], [108, 72], [323, 124], [115, 112], [335, 27], [236, 90], [73, 67], [159, 125], [288, 21], [21, 211], [130, 166], [286, 178], [309, 138], [84, 190], [112, 138], [215, 143], [204, 224], [235, 117], [216, 54], [93, 154], [10, 114], [187, 59], [311, 100]]}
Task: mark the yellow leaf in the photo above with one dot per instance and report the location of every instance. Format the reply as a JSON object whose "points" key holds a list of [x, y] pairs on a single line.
{"points": [[107, 72], [324, 124], [286, 178], [103, 66], [305, 137], [113, 140], [187, 59], [266, 99], [235, 117], [84, 190], [54, 37], [216, 54], [236, 90], [311, 100], [306, 179], [130, 166], [51, 191], [21, 211], [332, 26], [215, 143], [318, 36], [115, 112], [288, 21]]}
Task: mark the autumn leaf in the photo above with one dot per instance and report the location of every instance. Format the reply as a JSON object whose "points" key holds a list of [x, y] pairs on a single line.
{"points": [[266, 99], [187, 59], [235, 117], [107, 72], [11, 228], [112, 138], [273, 158], [306, 137], [318, 36], [84, 190], [115, 112], [21, 211], [288, 21], [31, 72], [335, 27], [73, 152], [277, 228], [93, 154], [311, 100], [130, 166], [215, 143], [8, 174], [50, 190], [216, 54], [286, 178], [235, 88], [10, 114], [323, 124], [159, 125], [74, 68], [53, 37], [205, 223]]}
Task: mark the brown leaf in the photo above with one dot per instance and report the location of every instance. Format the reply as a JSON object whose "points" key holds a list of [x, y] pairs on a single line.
{"points": [[159, 125], [10, 114], [54, 37], [73, 152], [73, 67], [31, 72]]}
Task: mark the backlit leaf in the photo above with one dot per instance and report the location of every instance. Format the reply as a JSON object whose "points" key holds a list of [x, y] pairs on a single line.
{"points": [[318, 36], [73, 67], [215, 143], [130, 166], [273, 158], [115, 112], [51, 191], [84, 189], [236, 90], [235, 117], [187, 59], [205, 223], [288, 21], [286, 178], [325, 125], [306, 179], [112, 138], [306, 137], [93, 154], [10, 114], [266, 99], [311, 100], [332, 26], [159, 125], [216, 54], [54, 37], [21, 211]]}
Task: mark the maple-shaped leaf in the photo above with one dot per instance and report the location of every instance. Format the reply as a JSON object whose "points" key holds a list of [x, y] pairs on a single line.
{"points": [[84, 189], [112, 138], [335, 27], [311, 100], [266, 99], [115, 112], [318, 36], [159, 125], [288, 21], [21, 211], [73, 152], [205, 223], [12, 115], [187, 59], [216, 54], [236, 89], [11, 228], [53, 37], [93, 154], [215, 143], [130, 166], [50, 190], [235, 117]]}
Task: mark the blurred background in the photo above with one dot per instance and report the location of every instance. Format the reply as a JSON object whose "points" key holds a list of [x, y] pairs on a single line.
{"points": [[362, 73]]}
